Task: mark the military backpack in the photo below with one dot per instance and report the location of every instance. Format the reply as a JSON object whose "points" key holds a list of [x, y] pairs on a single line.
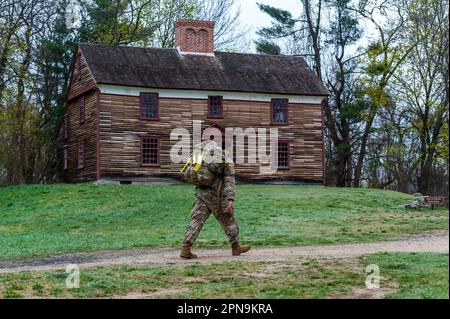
{"points": [[203, 165]]}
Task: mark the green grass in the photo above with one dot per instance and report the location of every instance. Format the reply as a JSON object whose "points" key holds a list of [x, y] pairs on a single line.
{"points": [[408, 276], [420, 276], [48, 219], [307, 279]]}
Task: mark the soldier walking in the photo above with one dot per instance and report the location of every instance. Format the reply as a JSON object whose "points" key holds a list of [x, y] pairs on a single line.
{"points": [[213, 175]]}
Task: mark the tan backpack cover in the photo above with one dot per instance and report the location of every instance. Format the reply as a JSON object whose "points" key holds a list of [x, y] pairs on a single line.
{"points": [[203, 164]]}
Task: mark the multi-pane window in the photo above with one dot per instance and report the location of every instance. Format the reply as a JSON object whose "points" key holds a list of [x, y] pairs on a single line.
{"points": [[149, 150], [82, 107], [66, 126], [283, 154], [81, 153], [149, 106], [215, 106], [279, 111], [66, 157]]}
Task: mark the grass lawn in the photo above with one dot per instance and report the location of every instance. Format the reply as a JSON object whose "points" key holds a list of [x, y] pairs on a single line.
{"points": [[423, 275], [48, 219], [408, 275]]}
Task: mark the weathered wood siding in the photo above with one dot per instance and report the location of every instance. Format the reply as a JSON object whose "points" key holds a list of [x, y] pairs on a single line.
{"points": [[81, 79], [86, 130], [120, 128]]}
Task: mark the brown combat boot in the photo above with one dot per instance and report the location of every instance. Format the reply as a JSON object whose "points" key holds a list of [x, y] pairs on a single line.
{"points": [[186, 252], [237, 249]]}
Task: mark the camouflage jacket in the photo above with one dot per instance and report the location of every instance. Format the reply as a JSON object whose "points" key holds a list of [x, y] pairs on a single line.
{"points": [[223, 185]]}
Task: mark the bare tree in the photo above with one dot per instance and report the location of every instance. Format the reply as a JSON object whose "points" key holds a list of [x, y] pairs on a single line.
{"points": [[165, 14], [422, 82], [385, 56], [229, 32]]}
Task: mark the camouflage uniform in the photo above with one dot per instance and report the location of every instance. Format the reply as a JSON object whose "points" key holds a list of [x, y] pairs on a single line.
{"points": [[214, 199]]}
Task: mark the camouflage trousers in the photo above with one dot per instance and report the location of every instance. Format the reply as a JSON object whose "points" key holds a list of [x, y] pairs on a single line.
{"points": [[202, 210]]}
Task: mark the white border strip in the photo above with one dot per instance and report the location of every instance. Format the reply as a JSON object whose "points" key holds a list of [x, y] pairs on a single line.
{"points": [[194, 53], [194, 94]]}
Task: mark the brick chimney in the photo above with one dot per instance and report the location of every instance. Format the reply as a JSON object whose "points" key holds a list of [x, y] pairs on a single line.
{"points": [[194, 36]]}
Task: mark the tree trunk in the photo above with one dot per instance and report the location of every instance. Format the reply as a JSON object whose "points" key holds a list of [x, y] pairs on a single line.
{"points": [[362, 149]]}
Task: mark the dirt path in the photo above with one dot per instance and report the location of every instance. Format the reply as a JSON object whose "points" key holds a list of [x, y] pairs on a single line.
{"points": [[436, 241]]}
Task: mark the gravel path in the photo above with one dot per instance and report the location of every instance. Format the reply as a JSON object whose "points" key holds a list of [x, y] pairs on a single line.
{"points": [[436, 241]]}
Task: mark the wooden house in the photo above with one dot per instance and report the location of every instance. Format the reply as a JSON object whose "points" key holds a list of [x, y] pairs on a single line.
{"points": [[123, 103]]}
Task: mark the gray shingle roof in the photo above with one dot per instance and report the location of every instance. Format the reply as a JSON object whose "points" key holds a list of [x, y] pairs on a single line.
{"points": [[166, 68]]}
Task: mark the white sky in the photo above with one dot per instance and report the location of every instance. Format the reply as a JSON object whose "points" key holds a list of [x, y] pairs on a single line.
{"points": [[255, 18]]}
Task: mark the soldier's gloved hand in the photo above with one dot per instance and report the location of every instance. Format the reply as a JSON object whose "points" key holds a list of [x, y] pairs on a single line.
{"points": [[229, 208]]}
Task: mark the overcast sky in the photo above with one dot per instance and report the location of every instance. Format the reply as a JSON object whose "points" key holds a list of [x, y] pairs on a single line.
{"points": [[255, 18]]}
